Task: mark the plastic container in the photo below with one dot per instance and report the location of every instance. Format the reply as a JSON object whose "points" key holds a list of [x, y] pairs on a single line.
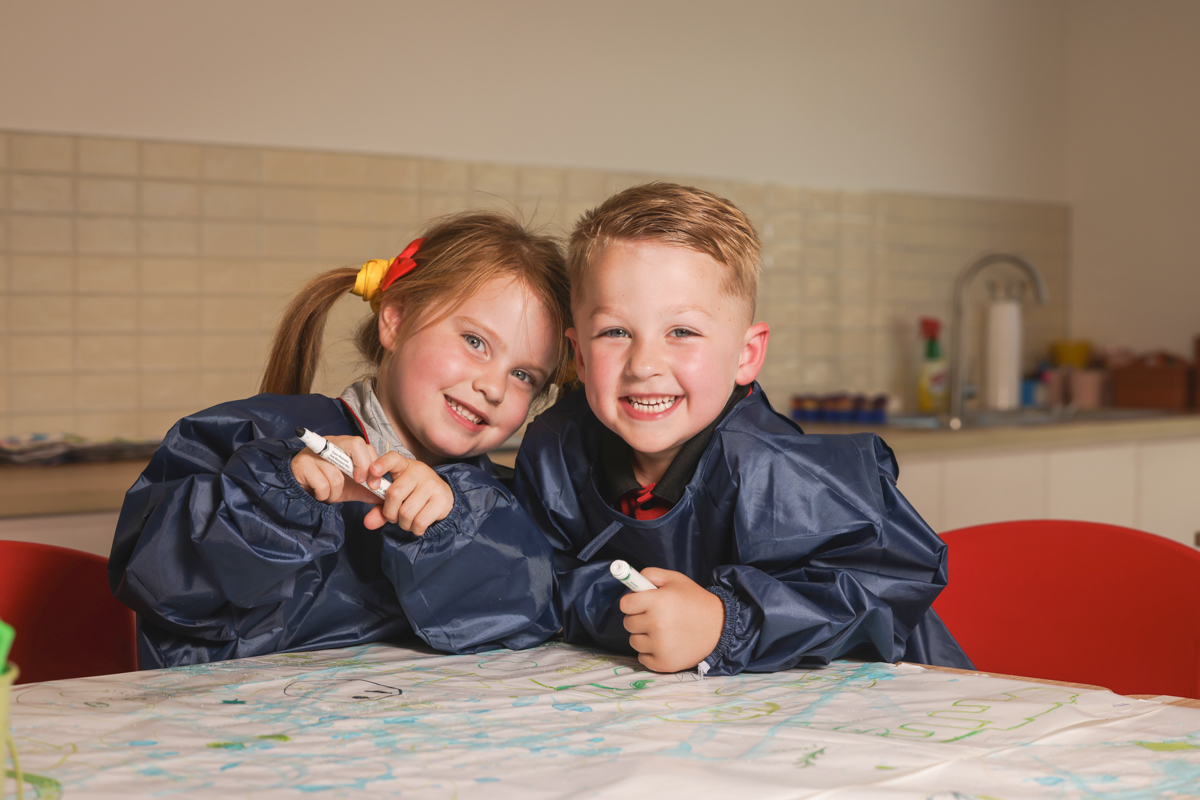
{"points": [[932, 381]]}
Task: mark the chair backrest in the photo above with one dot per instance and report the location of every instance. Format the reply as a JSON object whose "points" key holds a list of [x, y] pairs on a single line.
{"points": [[68, 623], [1076, 601]]}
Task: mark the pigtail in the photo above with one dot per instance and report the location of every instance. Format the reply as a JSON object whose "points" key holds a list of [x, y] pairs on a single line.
{"points": [[296, 350]]}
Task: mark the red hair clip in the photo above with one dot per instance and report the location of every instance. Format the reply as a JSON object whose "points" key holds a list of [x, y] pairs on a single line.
{"points": [[403, 264]]}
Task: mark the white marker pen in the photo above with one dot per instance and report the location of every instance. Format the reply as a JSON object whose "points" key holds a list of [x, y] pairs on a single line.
{"points": [[337, 456], [630, 576]]}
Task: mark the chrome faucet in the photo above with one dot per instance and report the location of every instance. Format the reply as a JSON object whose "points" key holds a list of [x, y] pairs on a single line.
{"points": [[958, 343]]}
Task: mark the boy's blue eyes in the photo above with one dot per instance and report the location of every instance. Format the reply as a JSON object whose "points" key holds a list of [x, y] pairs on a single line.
{"points": [[473, 341], [621, 333]]}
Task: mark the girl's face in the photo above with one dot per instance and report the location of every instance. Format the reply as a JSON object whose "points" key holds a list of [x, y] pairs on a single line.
{"points": [[461, 386]]}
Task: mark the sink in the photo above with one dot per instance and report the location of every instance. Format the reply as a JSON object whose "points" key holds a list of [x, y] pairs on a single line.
{"points": [[1028, 416]]}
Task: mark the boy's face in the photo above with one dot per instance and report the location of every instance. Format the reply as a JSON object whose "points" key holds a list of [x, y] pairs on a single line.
{"points": [[659, 346]]}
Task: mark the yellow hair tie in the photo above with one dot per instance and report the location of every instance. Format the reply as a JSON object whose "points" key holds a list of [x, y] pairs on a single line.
{"points": [[366, 285]]}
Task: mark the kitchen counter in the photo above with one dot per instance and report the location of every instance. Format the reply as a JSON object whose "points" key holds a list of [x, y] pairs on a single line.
{"points": [[912, 441], [96, 487], [27, 490]]}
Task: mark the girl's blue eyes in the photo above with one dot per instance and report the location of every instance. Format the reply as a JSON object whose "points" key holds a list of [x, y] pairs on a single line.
{"points": [[476, 343], [615, 333]]}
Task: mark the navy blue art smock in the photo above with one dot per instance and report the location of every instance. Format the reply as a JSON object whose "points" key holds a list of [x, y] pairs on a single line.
{"points": [[223, 555], [805, 538]]}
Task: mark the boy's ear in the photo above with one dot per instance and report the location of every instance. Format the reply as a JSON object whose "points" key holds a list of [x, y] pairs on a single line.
{"points": [[580, 367], [389, 319], [754, 352]]}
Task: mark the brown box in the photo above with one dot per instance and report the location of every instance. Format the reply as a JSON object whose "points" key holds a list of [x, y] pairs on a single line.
{"points": [[1154, 381]]}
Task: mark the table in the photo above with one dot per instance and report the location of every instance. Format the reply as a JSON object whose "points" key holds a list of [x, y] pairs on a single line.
{"points": [[560, 721]]}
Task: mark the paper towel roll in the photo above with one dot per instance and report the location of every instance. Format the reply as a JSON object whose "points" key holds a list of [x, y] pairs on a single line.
{"points": [[1002, 389]]}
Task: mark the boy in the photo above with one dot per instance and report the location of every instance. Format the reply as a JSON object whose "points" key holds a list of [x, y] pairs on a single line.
{"points": [[768, 546]]}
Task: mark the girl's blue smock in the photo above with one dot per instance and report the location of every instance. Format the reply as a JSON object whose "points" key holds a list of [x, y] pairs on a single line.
{"points": [[805, 538], [223, 555]]}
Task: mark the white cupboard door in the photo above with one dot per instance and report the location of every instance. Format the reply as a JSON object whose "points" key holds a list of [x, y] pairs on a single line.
{"points": [[994, 488], [1094, 484], [1170, 489], [921, 483]]}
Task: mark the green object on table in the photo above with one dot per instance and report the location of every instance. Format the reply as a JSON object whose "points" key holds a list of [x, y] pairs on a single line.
{"points": [[6, 638]]}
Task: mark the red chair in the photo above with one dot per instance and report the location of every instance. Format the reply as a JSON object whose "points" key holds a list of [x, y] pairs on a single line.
{"points": [[1076, 601], [68, 624]]}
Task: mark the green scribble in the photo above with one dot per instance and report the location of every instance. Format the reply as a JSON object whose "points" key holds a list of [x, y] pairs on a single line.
{"points": [[227, 745], [278, 737], [1163, 747], [234, 702], [642, 683], [46, 788], [808, 759]]}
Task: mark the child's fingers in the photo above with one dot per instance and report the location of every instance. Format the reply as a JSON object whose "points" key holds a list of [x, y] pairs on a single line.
{"points": [[361, 453], [391, 462], [430, 513], [659, 577], [322, 479], [636, 602], [374, 520], [642, 644], [419, 507], [639, 623]]}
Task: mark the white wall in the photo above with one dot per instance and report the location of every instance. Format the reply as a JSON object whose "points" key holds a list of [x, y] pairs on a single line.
{"points": [[1133, 172], [1092, 102], [944, 96]]}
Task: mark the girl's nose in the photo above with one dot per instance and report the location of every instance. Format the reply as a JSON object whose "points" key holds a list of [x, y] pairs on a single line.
{"points": [[491, 382]]}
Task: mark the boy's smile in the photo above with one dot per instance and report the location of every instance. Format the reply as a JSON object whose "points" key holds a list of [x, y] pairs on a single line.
{"points": [[659, 346]]}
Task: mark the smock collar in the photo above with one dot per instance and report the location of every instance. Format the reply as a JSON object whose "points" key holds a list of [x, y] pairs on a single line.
{"points": [[361, 399]]}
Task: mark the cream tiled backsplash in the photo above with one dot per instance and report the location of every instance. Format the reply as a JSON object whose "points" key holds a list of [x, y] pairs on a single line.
{"points": [[141, 280]]}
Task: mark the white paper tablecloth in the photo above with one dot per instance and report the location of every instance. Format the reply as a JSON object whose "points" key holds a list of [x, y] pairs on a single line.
{"points": [[559, 721]]}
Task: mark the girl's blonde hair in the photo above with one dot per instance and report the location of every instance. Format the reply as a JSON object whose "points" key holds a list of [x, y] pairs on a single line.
{"points": [[460, 254]]}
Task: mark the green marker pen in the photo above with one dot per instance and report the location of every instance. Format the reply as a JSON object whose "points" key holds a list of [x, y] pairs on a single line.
{"points": [[6, 637]]}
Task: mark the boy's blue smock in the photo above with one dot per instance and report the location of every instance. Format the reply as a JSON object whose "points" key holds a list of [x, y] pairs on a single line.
{"points": [[223, 555], [805, 538]]}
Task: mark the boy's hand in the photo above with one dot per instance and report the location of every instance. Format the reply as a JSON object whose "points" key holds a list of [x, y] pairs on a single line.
{"points": [[325, 482], [675, 626], [417, 498]]}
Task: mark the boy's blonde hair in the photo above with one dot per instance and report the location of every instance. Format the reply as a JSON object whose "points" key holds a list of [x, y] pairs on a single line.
{"points": [[671, 214]]}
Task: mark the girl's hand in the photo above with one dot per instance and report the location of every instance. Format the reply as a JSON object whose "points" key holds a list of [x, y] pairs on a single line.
{"points": [[675, 626], [417, 498], [325, 482]]}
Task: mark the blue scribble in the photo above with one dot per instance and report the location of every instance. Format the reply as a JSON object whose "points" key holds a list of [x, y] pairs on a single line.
{"points": [[579, 707]]}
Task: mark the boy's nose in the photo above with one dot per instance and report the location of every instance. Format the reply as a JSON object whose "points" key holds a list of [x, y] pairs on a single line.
{"points": [[645, 359]]}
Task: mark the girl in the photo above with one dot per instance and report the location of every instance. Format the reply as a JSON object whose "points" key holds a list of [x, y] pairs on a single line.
{"points": [[236, 541]]}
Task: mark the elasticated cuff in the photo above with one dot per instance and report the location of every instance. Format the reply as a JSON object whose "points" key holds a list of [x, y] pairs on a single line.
{"points": [[729, 634]]}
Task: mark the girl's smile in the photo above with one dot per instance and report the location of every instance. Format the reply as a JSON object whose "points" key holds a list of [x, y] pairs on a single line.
{"points": [[460, 386]]}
